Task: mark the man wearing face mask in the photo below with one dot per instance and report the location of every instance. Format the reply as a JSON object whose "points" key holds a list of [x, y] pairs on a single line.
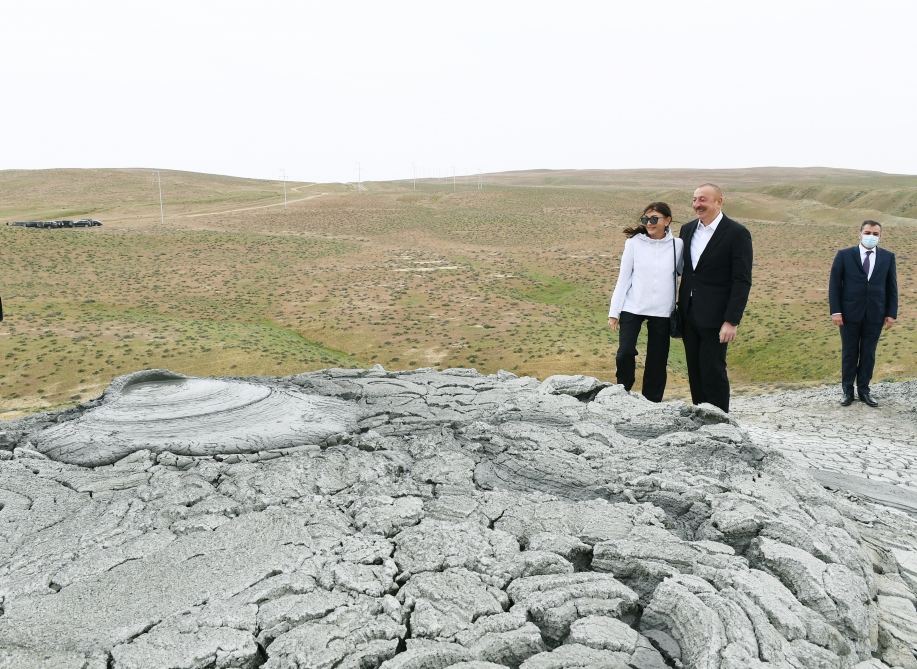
{"points": [[863, 296]]}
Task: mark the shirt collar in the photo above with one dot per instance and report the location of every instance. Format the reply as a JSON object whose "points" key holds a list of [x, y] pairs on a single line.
{"points": [[713, 224]]}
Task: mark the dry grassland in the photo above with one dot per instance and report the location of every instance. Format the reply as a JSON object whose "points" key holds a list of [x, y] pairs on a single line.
{"points": [[516, 276]]}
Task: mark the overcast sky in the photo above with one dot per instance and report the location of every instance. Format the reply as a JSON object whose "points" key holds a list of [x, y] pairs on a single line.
{"points": [[253, 88]]}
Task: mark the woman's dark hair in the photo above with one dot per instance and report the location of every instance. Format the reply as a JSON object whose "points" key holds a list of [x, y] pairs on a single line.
{"points": [[661, 207]]}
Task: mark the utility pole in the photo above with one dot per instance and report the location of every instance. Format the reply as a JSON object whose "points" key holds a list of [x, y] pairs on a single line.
{"points": [[453, 178], [413, 176], [162, 211]]}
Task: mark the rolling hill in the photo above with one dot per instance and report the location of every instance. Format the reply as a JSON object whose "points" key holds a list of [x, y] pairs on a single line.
{"points": [[509, 270]]}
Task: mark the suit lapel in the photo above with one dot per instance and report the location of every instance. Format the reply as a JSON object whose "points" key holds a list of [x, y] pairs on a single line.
{"points": [[717, 237], [686, 250], [855, 254]]}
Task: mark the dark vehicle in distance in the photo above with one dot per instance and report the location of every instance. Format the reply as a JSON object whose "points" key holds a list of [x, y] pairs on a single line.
{"points": [[53, 225]]}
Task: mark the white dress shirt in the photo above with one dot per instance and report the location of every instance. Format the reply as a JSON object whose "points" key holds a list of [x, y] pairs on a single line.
{"points": [[872, 259], [701, 237]]}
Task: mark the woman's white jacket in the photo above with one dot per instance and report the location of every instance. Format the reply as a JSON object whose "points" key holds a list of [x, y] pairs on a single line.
{"points": [[646, 279]]}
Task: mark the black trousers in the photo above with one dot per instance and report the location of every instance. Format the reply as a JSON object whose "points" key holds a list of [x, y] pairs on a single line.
{"points": [[858, 354], [657, 353], [706, 360]]}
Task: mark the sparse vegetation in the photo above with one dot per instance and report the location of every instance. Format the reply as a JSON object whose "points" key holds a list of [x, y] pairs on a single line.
{"points": [[516, 276]]}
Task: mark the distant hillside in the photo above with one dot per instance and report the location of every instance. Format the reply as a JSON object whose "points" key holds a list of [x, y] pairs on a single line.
{"points": [[897, 201], [125, 194], [893, 194], [740, 177], [107, 193]]}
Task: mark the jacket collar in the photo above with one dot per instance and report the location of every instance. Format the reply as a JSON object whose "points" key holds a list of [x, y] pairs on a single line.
{"points": [[879, 258], [715, 240], [649, 240]]}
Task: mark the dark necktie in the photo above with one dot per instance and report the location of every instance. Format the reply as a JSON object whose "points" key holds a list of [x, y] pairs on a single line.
{"points": [[866, 264]]}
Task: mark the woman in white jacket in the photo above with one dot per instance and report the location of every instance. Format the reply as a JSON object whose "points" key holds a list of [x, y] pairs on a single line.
{"points": [[646, 292]]}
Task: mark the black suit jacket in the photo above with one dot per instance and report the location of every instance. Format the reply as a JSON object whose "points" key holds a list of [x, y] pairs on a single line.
{"points": [[718, 287], [859, 300]]}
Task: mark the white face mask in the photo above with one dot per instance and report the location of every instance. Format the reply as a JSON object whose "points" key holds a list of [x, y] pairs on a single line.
{"points": [[869, 241]]}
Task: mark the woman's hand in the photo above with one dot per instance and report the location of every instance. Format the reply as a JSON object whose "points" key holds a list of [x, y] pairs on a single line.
{"points": [[613, 324]]}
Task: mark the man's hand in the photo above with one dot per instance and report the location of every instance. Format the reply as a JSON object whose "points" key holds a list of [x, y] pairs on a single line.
{"points": [[727, 333], [837, 319], [613, 323], [889, 322]]}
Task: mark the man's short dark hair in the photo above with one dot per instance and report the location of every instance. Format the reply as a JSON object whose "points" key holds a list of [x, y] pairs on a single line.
{"points": [[716, 189], [865, 223]]}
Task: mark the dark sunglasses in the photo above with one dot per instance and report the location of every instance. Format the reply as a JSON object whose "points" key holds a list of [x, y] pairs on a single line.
{"points": [[649, 220]]}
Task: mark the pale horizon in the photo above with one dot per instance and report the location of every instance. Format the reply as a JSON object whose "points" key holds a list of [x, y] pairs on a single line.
{"points": [[154, 170]]}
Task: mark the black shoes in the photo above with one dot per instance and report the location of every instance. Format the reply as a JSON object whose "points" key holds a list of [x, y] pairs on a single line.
{"points": [[864, 397], [867, 399]]}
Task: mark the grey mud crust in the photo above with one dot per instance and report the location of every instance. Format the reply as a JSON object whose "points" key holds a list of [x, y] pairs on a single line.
{"points": [[166, 412], [431, 520]]}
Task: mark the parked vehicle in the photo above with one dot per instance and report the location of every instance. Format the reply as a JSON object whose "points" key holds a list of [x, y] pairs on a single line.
{"points": [[54, 225]]}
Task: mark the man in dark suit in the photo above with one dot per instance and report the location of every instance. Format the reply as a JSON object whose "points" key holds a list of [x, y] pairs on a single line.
{"points": [[863, 297], [713, 293]]}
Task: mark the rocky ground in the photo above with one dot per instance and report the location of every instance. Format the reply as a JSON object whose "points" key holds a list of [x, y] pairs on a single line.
{"points": [[867, 451], [427, 520]]}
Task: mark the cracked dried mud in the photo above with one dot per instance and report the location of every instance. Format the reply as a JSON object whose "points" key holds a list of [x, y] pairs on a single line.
{"points": [[354, 519]]}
